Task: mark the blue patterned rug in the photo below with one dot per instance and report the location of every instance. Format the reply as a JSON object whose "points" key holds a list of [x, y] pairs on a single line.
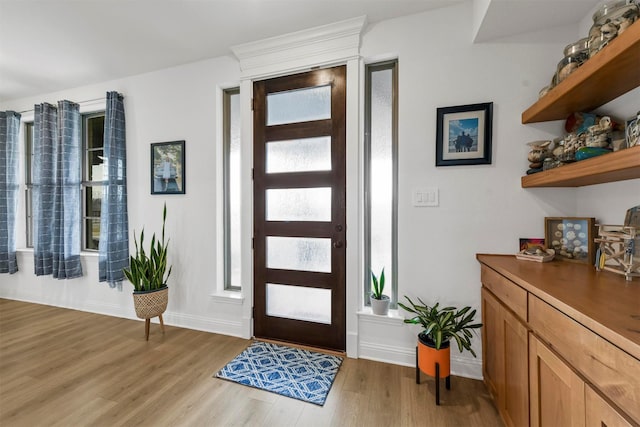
{"points": [[292, 372]]}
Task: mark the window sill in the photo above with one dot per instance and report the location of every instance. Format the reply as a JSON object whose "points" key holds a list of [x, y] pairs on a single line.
{"points": [[87, 254], [228, 297], [392, 317]]}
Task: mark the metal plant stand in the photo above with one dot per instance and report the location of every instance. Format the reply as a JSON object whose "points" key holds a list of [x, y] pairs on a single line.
{"points": [[447, 378]]}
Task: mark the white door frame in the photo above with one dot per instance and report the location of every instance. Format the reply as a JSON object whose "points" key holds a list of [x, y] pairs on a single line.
{"points": [[328, 45]]}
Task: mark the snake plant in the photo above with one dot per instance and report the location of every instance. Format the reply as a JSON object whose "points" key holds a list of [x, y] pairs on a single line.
{"points": [[378, 286], [146, 272]]}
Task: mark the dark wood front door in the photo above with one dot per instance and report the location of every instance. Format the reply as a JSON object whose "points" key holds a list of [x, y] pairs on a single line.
{"points": [[299, 213]]}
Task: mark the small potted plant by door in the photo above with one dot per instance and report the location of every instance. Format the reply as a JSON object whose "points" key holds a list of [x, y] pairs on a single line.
{"points": [[379, 301], [148, 274], [440, 327]]}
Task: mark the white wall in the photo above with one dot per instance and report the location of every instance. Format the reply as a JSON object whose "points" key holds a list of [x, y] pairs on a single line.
{"points": [[173, 104], [609, 202], [482, 208]]}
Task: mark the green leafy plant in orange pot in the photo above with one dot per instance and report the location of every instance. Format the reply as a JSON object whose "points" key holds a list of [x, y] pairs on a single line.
{"points": [[441, 325]]}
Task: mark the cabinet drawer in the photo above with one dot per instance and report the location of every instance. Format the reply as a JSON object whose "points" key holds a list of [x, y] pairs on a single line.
{"points": [[615, 373], [599, 413], [510, 294]]}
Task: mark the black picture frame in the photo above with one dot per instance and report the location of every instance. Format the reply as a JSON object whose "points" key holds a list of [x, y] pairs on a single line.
{"points": [[167, 167], [463, 135]]}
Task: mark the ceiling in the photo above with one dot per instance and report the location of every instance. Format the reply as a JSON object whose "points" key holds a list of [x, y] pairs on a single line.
{"points": [[51, 45]]}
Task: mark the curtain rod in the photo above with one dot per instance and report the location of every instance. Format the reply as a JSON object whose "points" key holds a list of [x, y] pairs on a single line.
{"points": [[79, 103]]}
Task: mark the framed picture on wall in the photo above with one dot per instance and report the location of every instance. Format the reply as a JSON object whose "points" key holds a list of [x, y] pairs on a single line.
{"points": [[463, 135], [571, 238], [167, 168]]}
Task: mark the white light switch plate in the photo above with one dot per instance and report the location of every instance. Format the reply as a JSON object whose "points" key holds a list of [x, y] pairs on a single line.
{"points": [[425, 196]]}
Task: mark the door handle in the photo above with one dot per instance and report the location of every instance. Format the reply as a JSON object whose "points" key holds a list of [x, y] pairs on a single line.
{"points": [[338, 244]]}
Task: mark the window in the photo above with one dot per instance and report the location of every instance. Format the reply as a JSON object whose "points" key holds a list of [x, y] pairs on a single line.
{"points": [[381, 177], [92, 178], [231, 169], [28, 179]]}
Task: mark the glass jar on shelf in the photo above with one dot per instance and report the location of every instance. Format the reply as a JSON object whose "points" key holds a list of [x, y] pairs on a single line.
{"points": [[578, 50], [611, 20]]}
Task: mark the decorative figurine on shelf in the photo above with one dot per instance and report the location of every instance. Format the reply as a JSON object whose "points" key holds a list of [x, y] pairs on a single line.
{"points": [[572, 143], [558, 148], [579, 122], [540, 150], [599, 134], [632, 131]]}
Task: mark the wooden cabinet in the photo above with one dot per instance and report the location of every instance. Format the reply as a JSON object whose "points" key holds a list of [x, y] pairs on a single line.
{"points": [[505, 348], [600, 413], [561, 343], [492, 345], [516, 393], [505, 353], [557, 393], [610, 73], [613, 371]]}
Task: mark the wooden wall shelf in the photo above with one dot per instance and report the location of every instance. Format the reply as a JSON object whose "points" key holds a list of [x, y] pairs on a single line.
{"points": [[612, 72], [618, 166]]}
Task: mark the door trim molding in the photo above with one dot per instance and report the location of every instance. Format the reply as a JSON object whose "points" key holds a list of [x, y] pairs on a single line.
{"points": [[318, 46], [262, 66]]}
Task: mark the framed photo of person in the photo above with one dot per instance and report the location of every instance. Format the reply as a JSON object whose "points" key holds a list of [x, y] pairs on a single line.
{"points": [[167, 168], [463, 135]]}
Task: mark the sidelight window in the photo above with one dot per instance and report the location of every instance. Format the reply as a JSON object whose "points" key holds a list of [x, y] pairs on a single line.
{"points": [[381, 177], [231, 167]]}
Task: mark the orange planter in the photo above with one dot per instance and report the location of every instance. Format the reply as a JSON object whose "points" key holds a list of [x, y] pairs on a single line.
{"points": [[428, 356]]}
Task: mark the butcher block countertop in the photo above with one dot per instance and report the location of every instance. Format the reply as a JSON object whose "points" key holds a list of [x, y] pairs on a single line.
{"points": [[603, 302]]}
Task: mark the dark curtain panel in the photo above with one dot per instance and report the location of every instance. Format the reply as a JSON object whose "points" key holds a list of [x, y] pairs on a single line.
{"points": [[56, 190], [9, 130], [114, 222]]}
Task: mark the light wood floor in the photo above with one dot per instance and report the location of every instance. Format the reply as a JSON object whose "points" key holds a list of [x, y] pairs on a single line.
{"points": [[63, 367]]}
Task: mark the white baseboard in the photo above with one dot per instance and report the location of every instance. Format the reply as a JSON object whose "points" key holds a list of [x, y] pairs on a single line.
{"points": [[387, 353], [199, 323], [352, 345], [460, 366], [206, 324], [88, 306], [467, 367]]}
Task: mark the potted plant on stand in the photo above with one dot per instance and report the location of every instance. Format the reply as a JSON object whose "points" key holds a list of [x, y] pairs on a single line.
{"points": [[440, 327], [148, 274], [379, 301]]}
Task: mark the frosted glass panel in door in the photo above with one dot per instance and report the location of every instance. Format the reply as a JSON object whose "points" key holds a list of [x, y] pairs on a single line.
{"points": [[298, 302], [299, 155], [299, 204], [301, 105], [299, 253]]}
